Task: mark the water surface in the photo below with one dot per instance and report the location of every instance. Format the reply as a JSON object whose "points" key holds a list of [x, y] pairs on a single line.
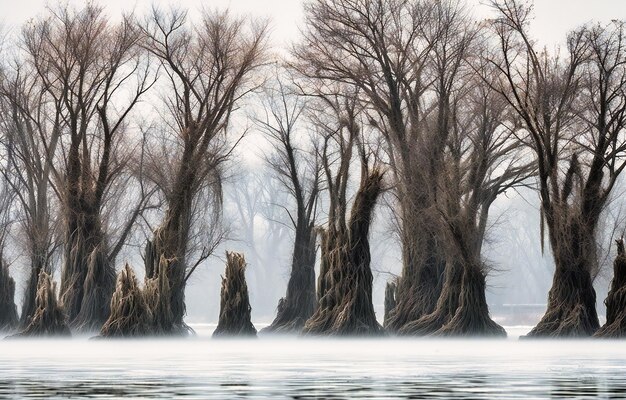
{"points": [[299, 368]]}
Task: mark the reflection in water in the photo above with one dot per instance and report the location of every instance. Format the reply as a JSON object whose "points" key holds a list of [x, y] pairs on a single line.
{"points": [[288, 368]]}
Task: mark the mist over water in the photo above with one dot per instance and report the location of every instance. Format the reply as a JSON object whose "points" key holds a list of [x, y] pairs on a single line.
{"points": [[308, 368]]}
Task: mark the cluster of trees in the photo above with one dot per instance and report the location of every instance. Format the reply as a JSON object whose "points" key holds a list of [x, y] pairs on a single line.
{"points": [[110, 129]]}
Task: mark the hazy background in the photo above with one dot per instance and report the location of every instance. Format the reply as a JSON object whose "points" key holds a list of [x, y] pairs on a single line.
{"points": [[521, 276]]}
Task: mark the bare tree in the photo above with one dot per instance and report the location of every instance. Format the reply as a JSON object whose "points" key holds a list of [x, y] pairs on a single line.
{"points": [[412, 62], [90, 71], [483, 159], [345, 282], [209, 68], [28, 116], [572, 113], [299, 171]]}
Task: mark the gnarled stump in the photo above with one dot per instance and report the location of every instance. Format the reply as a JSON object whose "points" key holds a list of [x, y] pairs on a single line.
{"points": [[8, 310], [49, 318], [130, 315], [615, 326], [346, 304], [157, 294], [234, 302]]}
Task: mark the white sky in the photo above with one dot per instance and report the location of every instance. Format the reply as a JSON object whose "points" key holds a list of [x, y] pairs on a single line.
{"points": [[553, 17]]}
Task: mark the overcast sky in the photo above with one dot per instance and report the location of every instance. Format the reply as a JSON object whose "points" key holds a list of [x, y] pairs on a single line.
{"points": [[553, 17]]}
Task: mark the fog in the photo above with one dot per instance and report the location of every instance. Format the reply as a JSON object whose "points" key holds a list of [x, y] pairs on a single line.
{"points": [[521, 271]]}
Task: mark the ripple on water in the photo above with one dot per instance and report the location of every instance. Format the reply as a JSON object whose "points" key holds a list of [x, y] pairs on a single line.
{"points": [[288, 368]]}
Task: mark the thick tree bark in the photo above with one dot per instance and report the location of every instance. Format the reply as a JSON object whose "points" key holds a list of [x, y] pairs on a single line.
{"points": [[419, 287], [299, 304], [130, 315], [165, 255], [234, 301], [88, 278], [446, 307], [346, 305], [97, 292], [30, 292], [571, 310], [8, 310], [49, 318], [165, 265], [615, 326], [471, 318]]}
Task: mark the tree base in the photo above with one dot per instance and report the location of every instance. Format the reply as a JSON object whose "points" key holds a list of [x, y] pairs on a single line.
{"points": [[571, 307], [235, 319], [48, 319], [130, 315]]}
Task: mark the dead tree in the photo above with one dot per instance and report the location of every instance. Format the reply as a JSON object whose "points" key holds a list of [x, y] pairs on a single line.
{"points": [[24, 119], [572, 112], [209, 67], [301, 177], [483, 159], [130, 315], [92, 93], [49, 318], [235, 307], [615, 326], [405, 57], [345, 284]]}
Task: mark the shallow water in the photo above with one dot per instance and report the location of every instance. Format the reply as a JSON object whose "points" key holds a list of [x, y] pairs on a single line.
{"points": [[292, 368]]}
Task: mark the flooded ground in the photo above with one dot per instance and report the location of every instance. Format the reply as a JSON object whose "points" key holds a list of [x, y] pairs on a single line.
{"points": [[301, 368]]}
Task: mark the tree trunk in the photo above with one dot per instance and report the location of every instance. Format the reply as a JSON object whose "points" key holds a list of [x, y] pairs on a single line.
{"points": [[471, 318], [390, 298], [8, 310], [130, 315], [38, 264], [446, 307], [615, 326], [420, 285], [299, 304], [234, 302], [97, 291], [346, 306], [571, 310], [49, 318], [88, 278], [165, 298]]}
